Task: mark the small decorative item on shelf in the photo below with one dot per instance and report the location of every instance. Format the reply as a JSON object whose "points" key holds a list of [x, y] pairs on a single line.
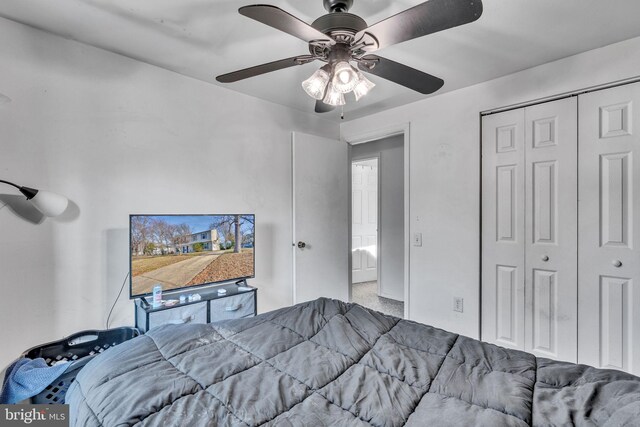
{"points": [[157, 296], [194, 297]]}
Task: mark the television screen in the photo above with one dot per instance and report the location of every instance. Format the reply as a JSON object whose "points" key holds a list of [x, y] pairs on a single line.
{"points": [[185, 251]]}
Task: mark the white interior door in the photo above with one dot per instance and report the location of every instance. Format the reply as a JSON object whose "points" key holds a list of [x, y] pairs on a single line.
{"points": [[503, 237], [364, 214], [320, 218], [551, 260], [609, 247]]}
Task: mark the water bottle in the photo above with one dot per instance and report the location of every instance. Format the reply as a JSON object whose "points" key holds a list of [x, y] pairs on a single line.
{"points": [[157, 296]]}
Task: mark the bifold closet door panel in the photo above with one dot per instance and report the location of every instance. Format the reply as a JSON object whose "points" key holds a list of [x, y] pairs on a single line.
{"points": [[503, 229], [551, 193], [609, 246]]}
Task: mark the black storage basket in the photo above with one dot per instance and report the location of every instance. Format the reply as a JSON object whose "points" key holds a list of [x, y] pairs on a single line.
{"points": [[78, 349]]}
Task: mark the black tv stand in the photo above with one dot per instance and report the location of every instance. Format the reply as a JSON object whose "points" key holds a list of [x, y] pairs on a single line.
{"points": [[238, 300], [144, 302]]}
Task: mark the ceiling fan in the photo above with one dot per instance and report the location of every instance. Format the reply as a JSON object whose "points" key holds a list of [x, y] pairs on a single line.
{"points": [[340, 38]]}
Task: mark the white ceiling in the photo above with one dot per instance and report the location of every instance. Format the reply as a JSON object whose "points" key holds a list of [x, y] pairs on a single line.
{"points": [[205, 38]]}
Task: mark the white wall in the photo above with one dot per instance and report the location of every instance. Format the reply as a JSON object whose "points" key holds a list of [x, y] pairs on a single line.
{"points": [[445, 171], [391, 200], [117, 137]]}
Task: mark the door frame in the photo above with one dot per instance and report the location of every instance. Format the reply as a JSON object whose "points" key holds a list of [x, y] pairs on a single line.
{"points": [[378, 216], [403, 129]]}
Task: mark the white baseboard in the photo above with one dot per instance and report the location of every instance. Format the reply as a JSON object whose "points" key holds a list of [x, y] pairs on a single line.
{"points": [[393, 297]]}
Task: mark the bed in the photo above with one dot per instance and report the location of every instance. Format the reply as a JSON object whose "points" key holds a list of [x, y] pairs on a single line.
{"points": [[329, 363]]}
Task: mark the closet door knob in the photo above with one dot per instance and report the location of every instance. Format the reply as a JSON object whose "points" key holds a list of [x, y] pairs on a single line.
{"points": [[545, 258], [617, 263]]}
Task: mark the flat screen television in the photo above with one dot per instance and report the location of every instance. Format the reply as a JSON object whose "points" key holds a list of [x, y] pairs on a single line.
{"points": [[187, 251]]}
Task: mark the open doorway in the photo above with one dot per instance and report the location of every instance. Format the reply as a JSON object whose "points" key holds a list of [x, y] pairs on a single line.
{"points": [[378, 225], [364, 223]]}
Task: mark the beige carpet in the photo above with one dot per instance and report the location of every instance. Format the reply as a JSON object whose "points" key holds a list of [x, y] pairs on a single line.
{"points": [[366, 294]]}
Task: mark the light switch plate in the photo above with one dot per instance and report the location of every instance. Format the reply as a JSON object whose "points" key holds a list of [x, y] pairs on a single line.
{"points": [[417, 239], [458, 304]]}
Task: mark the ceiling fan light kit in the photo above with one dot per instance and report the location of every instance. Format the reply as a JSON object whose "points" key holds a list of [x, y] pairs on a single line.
{"points": [[333, 97], [342, 40], [363, 87], [316, 85], [344, 77]]}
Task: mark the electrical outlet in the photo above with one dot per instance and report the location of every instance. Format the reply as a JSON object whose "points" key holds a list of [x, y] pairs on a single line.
{"points": [[417, 239], [458, 304]]}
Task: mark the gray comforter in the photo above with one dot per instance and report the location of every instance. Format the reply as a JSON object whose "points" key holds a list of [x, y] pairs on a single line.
{"points": [[328, 363]]}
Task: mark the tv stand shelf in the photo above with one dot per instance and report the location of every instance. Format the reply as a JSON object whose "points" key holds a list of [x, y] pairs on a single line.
{"points": [[238, 302]]}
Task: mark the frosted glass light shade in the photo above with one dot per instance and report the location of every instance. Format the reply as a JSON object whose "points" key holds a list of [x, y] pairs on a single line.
{"points": [[344, 77], [316, 84], [363, 87], [50, 204], [333, 97]]}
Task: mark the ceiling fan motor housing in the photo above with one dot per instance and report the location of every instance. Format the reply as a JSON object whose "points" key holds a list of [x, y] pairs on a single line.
{"points": [[341, 27], [337, 5], [339, 22]]}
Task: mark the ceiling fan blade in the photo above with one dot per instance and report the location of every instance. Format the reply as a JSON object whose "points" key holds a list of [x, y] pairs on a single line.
{"points": [[262, 69], [401, 74], [426, 18], [321, 107], [284, 21]]}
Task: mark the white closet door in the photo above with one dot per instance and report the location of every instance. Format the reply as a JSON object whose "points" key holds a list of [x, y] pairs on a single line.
{"points": [[551, 229], [503, 229], [609, 207]]}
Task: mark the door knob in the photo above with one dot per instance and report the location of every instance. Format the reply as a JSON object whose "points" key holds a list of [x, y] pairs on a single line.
{"points": [[302, 245], [617, 263], [545, 258]]}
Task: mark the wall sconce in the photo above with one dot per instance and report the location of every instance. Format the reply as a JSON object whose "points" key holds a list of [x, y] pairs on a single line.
{"points": [[48, 203]]}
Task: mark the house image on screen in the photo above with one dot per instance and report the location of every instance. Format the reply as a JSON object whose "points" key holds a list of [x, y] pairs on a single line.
{"points": [[197, 242]]}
